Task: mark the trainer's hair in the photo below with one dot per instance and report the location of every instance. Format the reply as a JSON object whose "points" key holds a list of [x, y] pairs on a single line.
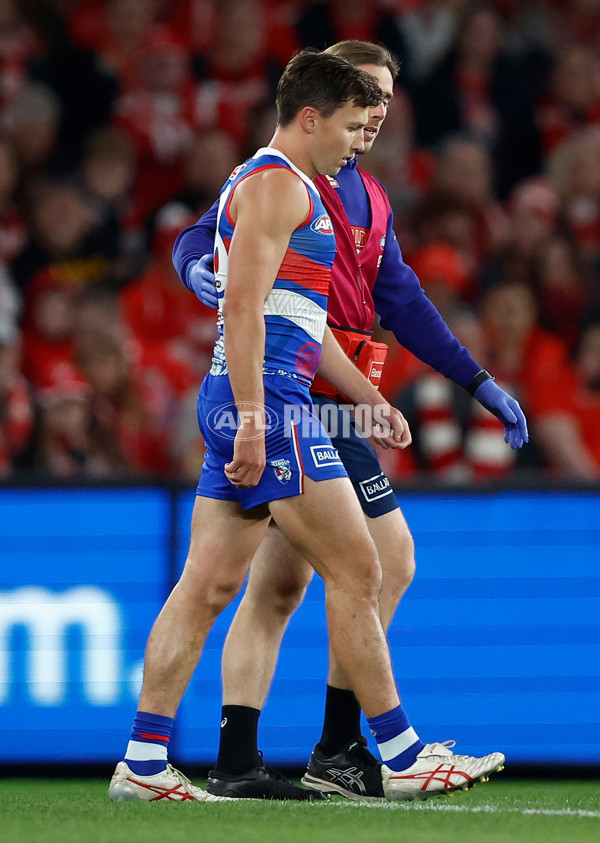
{"points": [[365, 52], [325, 82]]}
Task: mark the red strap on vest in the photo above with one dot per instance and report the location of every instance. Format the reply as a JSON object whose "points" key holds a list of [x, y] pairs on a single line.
{"points": [[367, 356]]}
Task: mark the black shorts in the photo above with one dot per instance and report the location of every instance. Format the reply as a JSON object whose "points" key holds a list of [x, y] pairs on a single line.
{"points": [[371, 484]]}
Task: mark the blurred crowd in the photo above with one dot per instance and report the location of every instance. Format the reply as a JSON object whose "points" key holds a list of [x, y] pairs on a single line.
{"points": [[121, 119]]}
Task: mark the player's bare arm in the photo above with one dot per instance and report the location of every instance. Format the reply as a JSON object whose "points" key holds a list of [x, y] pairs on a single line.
{"points": [[338, 370], [267, 208]]}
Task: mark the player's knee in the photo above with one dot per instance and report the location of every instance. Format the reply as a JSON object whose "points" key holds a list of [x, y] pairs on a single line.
{"points": [[399, 566], [212, 593], [280, 597], [374, 575], [218, 595], [287, 598], [364, 576], [410, 571], [406, 564]]}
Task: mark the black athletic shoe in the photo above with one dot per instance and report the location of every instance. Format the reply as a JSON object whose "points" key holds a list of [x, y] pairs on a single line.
{"points": [[352, 772], [258, 783]]}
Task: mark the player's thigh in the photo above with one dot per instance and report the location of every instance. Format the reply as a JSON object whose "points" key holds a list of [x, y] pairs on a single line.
{"points": [[327, 526], [224, 538], [279, 573]]}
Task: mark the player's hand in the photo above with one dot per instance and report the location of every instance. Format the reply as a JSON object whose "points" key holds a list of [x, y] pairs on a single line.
{"points": [[202, 281], [507, 409], [249, 458], [387, 428]]}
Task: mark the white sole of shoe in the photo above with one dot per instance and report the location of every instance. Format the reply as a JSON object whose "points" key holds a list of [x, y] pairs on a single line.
{"points": [[122, 792]]}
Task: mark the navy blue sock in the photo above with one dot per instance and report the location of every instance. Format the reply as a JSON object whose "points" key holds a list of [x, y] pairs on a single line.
{"points": [[147, 748]]}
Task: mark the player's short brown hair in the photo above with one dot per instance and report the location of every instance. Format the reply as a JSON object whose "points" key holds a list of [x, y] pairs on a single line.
{"points": [[360, 53], [325, 82]]}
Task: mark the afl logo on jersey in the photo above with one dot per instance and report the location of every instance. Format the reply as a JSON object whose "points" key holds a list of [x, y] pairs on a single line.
{"points": [[322, 225], [237, 171]]}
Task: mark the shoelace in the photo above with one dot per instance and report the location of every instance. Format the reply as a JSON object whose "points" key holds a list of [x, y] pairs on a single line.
{"points": [[450, 745], [361, 749], [179, 775], [274, 774]]}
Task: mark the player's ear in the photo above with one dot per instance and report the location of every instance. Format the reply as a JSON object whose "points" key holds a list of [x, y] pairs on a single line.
{"points": [[309, 117]]}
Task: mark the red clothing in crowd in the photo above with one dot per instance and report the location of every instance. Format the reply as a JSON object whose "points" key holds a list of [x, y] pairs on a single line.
{"points": [[135, 428], [41, 356], [472, 447], [89, 26], [585, 407], [171, 325], [16, 422], [554, 388], [556, 122], [161, 127]]}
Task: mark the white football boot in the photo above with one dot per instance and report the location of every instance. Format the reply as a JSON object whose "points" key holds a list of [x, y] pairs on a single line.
{"points": [[170, 785], [437, 770]]}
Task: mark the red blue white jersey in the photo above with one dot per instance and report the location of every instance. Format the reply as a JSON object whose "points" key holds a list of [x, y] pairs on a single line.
{"points": [[296, 308]]}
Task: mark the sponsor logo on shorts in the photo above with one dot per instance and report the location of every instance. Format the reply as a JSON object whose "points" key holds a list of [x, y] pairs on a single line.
{"points": [[324, 456], [322, 225], [375, 371], [375, 487], [282, 469]]}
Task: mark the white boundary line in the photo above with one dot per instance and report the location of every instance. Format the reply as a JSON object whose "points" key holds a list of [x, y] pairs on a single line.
{"points": [[475, 809]]}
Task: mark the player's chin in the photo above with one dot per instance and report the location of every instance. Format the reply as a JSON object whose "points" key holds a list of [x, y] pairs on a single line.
{"points": [[333, 169]]}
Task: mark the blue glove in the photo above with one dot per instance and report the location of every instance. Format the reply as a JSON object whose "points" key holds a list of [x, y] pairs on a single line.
{"points": [[202, 281], [507, 409]]}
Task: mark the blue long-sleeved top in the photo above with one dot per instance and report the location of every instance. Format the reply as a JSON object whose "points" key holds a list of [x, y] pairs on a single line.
{"points": [[397, 295]]}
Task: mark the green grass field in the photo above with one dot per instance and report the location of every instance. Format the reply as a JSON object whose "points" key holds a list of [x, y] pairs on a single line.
{"points": [[498, 812]]}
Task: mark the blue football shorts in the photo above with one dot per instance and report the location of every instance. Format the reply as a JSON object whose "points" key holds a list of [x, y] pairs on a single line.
{"points": [[371, 485], [297, 445]]}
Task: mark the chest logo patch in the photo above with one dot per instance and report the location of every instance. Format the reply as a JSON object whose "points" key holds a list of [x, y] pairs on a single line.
{"points": [[322, 225]]}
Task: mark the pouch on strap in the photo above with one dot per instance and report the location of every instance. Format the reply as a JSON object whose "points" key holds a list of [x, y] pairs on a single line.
{"points": [[368, 356]]}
